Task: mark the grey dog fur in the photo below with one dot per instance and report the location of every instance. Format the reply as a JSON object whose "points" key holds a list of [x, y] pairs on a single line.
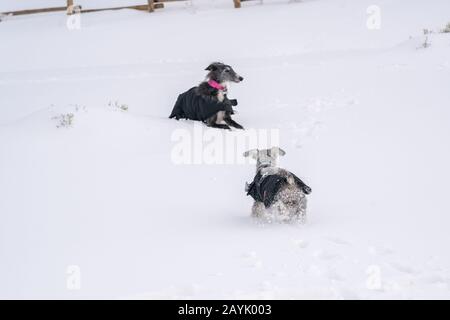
{"points": [[290, 202]]}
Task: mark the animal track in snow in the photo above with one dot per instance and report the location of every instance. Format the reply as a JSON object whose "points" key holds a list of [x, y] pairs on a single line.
{"points": [[336, 240], [332, 274], [249, 255], [312, 108], [380, 251], [251, 260], [217, 274], [402, 268], [324, 255], [436, 279], [299, 243]]}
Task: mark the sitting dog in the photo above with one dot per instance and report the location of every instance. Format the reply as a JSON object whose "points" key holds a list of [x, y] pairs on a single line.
{"points": [[209, 102], [277, 192]]}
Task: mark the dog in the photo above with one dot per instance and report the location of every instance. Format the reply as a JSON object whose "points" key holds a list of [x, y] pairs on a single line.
{"points": [[208, 102], [277, 192]]}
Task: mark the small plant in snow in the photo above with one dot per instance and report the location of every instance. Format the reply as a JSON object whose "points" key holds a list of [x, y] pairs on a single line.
{"points": [[64, 120], [80, 108], [118, 106], [446, 29], [426, 43]]}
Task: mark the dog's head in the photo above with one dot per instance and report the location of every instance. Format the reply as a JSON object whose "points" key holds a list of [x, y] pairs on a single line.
{"points": [[265, 157], [222, 73]]}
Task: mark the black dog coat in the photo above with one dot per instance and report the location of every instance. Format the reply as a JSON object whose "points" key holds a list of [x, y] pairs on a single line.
{"points": [[194, 106], [264, 188]]}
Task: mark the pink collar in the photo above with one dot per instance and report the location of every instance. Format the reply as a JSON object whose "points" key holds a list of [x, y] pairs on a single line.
{"points": [[216, 85]]}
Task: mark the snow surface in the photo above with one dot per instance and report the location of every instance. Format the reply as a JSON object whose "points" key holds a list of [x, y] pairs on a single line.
{"points": [[363, 116]]}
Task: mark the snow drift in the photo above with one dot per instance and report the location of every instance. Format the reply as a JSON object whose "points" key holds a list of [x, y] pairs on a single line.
{"points": [[88, 187]]}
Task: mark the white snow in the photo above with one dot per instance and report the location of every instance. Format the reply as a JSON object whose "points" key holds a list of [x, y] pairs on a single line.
{"points": [[362, 114]]}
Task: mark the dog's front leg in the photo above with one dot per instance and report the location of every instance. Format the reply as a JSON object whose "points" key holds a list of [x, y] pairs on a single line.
{"points": [[219, 126], [231, 122], [232, 102], [212, 123], [258, 209]]}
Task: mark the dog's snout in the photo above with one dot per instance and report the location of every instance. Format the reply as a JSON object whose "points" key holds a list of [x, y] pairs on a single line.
{"points": [[240, 78]]}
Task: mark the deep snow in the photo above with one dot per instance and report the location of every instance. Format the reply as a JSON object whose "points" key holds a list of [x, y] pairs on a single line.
{"points": [[362, 114]]}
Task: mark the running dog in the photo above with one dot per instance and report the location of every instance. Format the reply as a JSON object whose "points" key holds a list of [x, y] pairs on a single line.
{"points": [[278, 193]]}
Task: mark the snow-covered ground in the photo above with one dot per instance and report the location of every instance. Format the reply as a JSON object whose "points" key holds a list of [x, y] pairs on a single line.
{"points": [[100, 209]]}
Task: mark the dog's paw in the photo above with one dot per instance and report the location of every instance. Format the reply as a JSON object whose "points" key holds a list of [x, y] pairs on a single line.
{"points": [[306, 189]]}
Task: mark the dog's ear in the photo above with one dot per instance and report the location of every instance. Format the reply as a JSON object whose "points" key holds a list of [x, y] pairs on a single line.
{"points": [[212, 67], [252, 153], [277, 151]]}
